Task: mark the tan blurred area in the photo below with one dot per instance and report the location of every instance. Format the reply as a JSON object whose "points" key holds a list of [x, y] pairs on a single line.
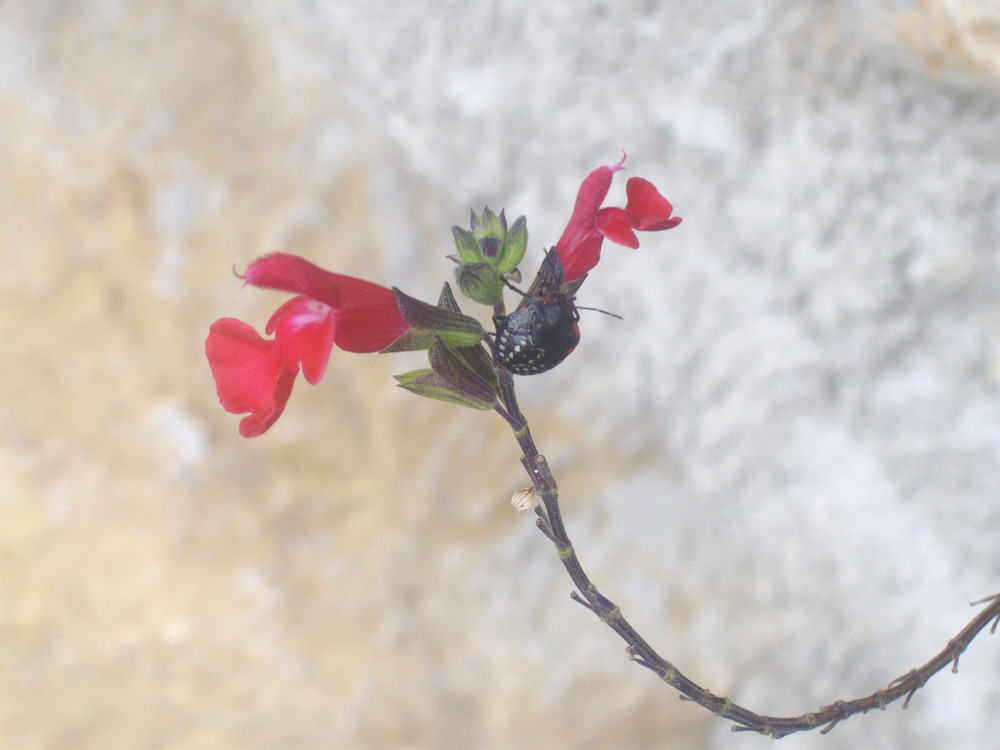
{"points": [[165, 583], [954, 36], [332, 584]]}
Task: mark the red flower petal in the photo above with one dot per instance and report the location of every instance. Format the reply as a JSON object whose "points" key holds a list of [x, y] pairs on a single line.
{"points": [[579, 247], [580, 258], [649, 210], [367, 317], [616, 225], [370, 322], [304, 329], [249, 373]]}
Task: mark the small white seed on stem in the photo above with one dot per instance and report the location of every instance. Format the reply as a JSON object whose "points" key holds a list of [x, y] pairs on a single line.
{"points": [[525, 499]]}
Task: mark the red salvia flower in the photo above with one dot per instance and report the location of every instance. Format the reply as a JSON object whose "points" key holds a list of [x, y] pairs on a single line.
{"points": [[646, 210], [254, 375]]}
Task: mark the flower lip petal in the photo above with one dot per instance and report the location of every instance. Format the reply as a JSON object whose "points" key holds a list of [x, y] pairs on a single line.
{"points": [[617, 225], [249, 372], [259, 422], [649, 210]]}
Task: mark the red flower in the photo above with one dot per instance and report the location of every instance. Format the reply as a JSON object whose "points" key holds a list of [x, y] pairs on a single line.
{"points": [[579, 247], [254, 375]]}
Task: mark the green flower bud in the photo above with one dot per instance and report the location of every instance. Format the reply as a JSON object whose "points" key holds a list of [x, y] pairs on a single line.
{"points": [[490, 241], [479, 281]]}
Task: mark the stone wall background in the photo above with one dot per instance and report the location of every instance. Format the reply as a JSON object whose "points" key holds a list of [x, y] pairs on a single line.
{"points": [[783, 465]]}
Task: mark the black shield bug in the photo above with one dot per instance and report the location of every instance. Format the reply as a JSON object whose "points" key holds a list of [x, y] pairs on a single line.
{"points": [[543, 330]]}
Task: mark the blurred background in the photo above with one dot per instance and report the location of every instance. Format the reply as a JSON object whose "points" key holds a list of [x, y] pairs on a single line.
{"points": [[783, 464]]}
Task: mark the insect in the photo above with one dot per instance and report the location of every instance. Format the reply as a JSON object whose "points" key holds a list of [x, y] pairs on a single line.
{"points": [[543, 330]]}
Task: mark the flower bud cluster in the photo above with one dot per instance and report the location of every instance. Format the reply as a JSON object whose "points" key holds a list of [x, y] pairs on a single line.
{"points": [[488, 254]]}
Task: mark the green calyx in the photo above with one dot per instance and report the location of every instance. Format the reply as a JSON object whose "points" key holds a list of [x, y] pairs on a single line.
{"points": [[456, 376], [428, 323], [488, 254], [429, 384], [481, 282], [461, 370]]}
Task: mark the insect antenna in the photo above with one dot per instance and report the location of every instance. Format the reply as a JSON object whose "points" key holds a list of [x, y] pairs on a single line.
{"points": [[597, 309], [514, 288]]}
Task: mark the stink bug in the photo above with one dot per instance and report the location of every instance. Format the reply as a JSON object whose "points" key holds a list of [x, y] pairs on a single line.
{"points": [[542, 331]]}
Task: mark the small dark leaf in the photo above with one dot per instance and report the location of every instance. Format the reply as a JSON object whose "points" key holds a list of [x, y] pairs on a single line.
{"points": [[431, 385], [479, 361], [461, 376]]}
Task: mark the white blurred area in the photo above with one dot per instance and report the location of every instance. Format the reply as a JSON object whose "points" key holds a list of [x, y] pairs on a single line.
{"points": [[783, 464]]}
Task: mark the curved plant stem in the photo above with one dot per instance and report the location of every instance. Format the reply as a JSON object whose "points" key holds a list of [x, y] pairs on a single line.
{"points": [[551, 524]]}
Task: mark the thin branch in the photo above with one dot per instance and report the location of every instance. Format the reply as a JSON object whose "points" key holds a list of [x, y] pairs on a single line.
{"points": [[551, 524]]}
